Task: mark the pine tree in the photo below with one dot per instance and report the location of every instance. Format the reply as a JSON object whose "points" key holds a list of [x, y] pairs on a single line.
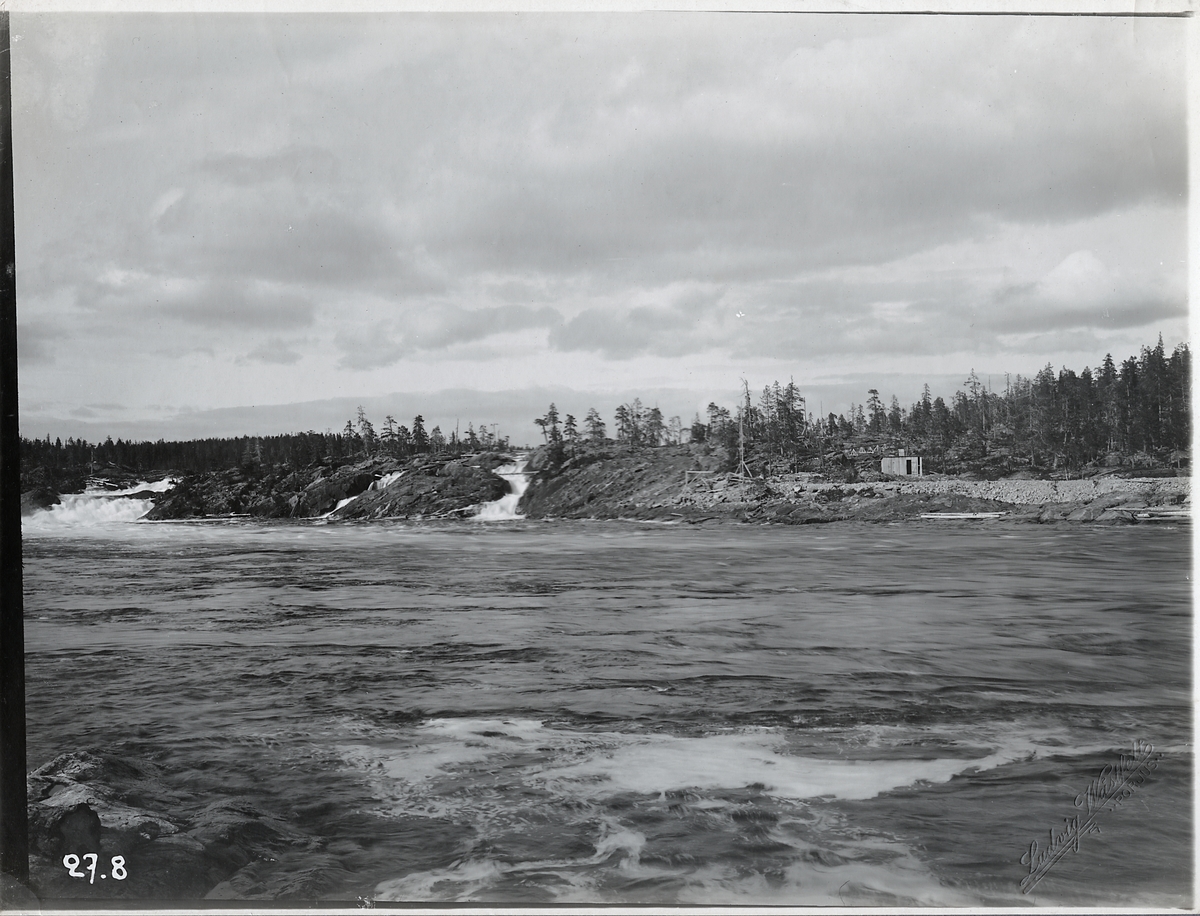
{"points": [[654, 428], [420, 439], [595, 426]]}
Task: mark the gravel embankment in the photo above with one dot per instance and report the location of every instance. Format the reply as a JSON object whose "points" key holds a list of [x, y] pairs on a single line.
{"points": [[1151, 491], [1154, 491]]}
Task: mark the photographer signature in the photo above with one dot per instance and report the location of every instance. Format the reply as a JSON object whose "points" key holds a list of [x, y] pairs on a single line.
{"points": [[1114, 784]]}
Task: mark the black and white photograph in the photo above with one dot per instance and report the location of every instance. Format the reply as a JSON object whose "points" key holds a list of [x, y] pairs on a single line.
{"points": [[633, 457]]}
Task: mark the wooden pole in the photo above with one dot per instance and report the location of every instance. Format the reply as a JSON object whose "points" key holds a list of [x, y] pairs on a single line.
{"points": [[14, 842]]}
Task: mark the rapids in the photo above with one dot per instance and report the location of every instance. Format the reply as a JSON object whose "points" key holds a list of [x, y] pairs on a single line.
{"points": [[95, 507], [609, 712]]}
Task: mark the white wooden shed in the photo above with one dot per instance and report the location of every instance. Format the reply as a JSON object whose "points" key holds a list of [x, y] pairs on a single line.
{"points": [[903, 465]]}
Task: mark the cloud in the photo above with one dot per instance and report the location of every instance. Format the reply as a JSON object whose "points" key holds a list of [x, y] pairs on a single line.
{"points": [[444, 326], [37, 341], [858, 149], [369, 348], [675, 319], [414, 194], [228, 305], [1080, 278], [273, 351], [66, 83], [621, 334], [436, 328], [307, 166], [1082, 291], [257, 218]]}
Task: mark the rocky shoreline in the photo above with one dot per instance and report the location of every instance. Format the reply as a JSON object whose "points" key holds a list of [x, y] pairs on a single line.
{"points": [[687, 483], [380, 487], [372, 488]]}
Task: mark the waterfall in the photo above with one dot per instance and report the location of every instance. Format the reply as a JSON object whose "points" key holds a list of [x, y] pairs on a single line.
{"points": [[505, 508], [382, 483]]}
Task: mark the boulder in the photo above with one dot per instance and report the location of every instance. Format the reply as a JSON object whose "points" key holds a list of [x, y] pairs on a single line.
{"points": [[489, 461], [456, 469], [1055, 512], [540, 459], [38, 498], [172, 847]]}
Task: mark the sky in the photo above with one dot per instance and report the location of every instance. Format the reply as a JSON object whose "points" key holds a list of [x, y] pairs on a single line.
{"points": [[250, 224]]}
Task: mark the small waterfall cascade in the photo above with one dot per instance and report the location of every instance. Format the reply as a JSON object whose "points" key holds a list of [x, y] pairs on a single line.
{"points": [[383, 482], [505, 508]]}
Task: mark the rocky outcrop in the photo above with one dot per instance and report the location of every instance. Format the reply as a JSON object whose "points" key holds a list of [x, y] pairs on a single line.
{"points": [[426, 487], [613, 483], [279, 493], [454, 488], [325, 492]]}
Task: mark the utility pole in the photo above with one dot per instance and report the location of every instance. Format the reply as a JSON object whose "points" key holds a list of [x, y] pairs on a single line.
{"points": [[14, 840]]}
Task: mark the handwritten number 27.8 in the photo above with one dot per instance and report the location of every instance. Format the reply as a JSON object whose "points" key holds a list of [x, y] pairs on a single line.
{"points": [[72, 863]]}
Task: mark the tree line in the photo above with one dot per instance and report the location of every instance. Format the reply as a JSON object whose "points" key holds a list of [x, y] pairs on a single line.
{"points": [[358, 439], [634, 425], [1135, 412]]}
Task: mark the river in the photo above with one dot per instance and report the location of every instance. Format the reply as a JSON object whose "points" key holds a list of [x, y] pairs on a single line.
{"points": [[611, 712]]}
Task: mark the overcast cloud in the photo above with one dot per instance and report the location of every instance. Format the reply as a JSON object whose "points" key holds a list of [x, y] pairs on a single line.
{"points": [[216, 212]]}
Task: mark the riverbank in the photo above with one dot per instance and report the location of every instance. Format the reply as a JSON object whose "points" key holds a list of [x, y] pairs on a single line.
{"points": [[686, 484]]}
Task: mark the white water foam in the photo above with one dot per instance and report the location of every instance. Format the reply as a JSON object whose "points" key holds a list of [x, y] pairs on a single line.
{"points": [[94, 508], [158, 486], [462, 880], [470, 770], [505, 508], [341, 504], [504, 777], [886, 872], [601, 764], [385, 481]]}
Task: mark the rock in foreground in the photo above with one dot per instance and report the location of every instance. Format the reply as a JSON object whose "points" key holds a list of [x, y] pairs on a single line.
{"points": [[152, 843]]}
